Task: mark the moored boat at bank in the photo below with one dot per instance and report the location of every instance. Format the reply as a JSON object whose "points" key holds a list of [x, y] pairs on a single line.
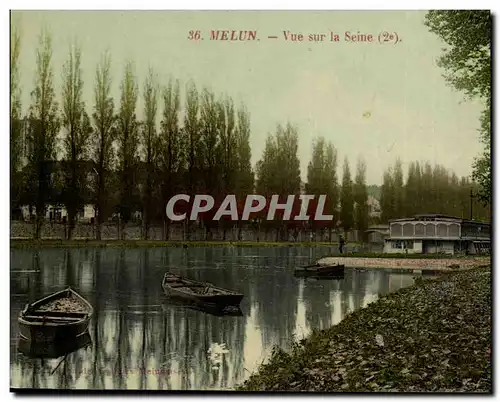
{"points": [[60, 316], [199, 292], [320, 270], [53, 350]]}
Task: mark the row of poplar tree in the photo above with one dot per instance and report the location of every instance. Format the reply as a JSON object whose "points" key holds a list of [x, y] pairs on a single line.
{"points": [[429, 189], [120, 164]]}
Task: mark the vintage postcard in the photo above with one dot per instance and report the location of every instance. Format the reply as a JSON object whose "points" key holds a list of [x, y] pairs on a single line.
{"points": [[250, 201]]}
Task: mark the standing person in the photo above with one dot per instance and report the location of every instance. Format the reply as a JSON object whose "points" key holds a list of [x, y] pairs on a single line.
{"points": [[341, 244]]}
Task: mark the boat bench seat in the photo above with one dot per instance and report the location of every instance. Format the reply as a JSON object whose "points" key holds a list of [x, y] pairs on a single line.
{"points": [[184, 285], [50, 318], [63, 314]]}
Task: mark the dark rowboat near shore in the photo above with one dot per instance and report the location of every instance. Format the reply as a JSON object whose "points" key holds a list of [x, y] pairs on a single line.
{"points": [[321, 270], [223, 311], [53, 350], [60, 316], [199, 292]]}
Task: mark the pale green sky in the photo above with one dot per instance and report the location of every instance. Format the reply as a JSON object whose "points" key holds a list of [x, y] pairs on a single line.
{"points": [[323, 88]]}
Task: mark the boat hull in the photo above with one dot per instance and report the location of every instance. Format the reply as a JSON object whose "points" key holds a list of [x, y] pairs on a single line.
{"points": [[53, 350], [177, 287], [50, 332], [234, 311], [214, 300], [321, 271], [59, 316]]}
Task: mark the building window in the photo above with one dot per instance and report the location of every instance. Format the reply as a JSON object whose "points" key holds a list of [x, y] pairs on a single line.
{"points": [[419, 230], [430, 230], [408, 230], [442, 230], [397, 244], [453, 230], [396, 229]]}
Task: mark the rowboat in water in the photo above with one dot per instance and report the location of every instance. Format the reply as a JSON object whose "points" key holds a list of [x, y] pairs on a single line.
{"points": [[199, 292], [320, 270], [218, 311], [53, 350], [59, 316]]}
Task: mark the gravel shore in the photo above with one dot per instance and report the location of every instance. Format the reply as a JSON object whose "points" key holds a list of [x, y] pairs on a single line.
{"points": [[442, 264], [432, 337]]}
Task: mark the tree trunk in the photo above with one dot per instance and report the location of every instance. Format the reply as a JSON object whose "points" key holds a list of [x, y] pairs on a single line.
{"points": [[145, 225], [187, 230], [71, 223], [98, 230], [38, 227], [167, 230], [239, 230], [122, 230]]}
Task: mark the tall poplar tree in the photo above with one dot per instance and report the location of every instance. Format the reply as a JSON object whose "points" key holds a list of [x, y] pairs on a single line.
{"points": [[149, 142], [44, 127], [102, 138], [77, 129], [171, 148], [346, 199], [16, 178], [127, 142], [361, 200]]}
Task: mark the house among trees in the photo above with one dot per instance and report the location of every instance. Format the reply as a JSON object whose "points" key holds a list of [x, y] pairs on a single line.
{"points": [[433, 233], [377, 234], [374, 210]]}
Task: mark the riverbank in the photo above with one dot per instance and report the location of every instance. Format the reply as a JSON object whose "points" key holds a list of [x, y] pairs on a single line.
{"points": [[432, 337], [29, 243], [417, 262]]}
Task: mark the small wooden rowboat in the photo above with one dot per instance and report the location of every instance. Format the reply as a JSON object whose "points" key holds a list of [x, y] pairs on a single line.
{"points": [[229, 311], [59, 316], [320, 270], [199, 292], [53, 350]]}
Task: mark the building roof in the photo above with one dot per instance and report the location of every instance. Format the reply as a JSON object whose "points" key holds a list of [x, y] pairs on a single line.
{"points": [[437, 217]]}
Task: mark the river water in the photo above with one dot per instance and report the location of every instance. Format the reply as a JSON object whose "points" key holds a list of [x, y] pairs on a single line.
{"points": [[141, 341]]}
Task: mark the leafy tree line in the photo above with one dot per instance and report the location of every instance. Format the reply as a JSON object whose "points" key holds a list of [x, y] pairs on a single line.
{"points": [[111, 159], [344, 205], [429, 189], [467, 65], [122, 165]]}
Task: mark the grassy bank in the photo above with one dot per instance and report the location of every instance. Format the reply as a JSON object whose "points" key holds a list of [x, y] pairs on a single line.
{"points": [[432, 337], [21, 243]]}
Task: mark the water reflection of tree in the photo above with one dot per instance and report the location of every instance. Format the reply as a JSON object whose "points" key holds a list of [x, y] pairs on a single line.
{"points": [[176, 339], [97, 328], [144, 329], [37, 290], [274, 291], [68, 262], [316, 298], [193, 332], [122, 354]]}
